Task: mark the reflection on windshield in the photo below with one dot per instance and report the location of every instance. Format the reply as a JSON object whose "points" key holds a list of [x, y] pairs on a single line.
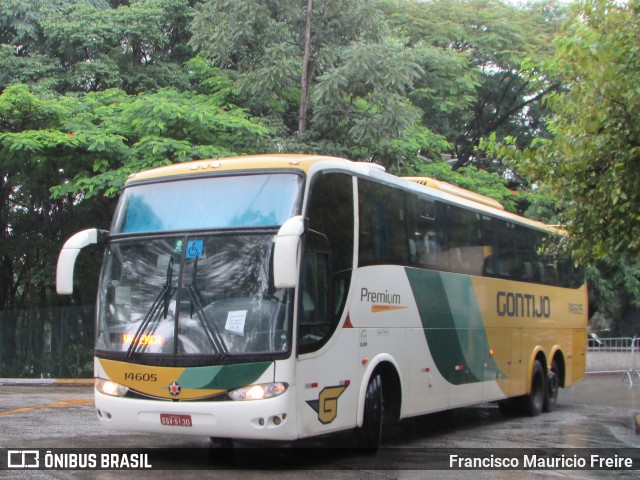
{"points": [[220, 303], [159, 309], [245, 201]]}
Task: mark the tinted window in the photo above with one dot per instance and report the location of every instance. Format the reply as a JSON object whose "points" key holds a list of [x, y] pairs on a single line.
{"points": [[429, 243], [327, 259], [383, 225], [467, 247], [398, 227]]}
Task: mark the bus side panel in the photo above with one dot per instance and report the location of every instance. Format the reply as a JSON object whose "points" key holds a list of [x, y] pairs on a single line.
{"points": [[484, 333], [327, 385], [505, 352], [538, 318], [428, 389], [456, 338], [577, 364], [384, 312]]}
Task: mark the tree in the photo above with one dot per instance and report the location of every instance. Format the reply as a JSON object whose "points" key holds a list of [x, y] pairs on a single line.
{"points": [[92, 45], [471, 52], [337, 55], [592, 161], [81, 149]]}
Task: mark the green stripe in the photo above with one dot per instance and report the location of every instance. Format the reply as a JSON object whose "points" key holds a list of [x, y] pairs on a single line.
{"points": [[452, 325], [225, 377]]}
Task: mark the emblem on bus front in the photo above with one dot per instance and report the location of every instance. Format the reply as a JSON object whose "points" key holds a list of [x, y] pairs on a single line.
{"points": [[327, 404], [174, 389]]}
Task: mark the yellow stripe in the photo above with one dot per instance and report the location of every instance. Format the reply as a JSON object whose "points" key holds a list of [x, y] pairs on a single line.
{"points": [[288, 161], [151, 380], [66, 403]]}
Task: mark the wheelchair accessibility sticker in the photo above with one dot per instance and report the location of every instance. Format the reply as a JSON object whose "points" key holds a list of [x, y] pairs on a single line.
{"points": [[195, 249]]}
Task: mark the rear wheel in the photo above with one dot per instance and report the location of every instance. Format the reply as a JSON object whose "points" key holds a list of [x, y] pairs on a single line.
{"points": [[553, 385], [370, 434], [534, 401]]}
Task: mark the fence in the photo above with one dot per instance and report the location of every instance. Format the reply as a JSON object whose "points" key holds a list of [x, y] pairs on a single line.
{"points": [[614, 355], [47, 343]]}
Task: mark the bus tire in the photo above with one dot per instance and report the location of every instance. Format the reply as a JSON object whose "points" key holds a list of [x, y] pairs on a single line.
{"points": [[534, 401], [553, 385], [370, 434]]}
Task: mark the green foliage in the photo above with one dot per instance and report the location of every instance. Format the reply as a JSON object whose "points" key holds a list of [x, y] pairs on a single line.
{"points": [[362, 101], [359, 78], [471, 53], [86, 46], [542, 206], [32, 225], [110, 135], [591, 163], [614, 295], [81, 149], [78, 361]]}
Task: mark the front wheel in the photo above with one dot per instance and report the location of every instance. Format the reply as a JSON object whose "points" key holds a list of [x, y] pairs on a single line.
{"points": [[370, 434]]}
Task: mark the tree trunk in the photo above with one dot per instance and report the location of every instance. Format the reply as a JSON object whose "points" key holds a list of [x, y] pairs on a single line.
{"points": [[304, 80]]}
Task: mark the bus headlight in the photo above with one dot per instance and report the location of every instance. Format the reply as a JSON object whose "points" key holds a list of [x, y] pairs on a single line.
{"points": [[259, 391], [110, 388]]}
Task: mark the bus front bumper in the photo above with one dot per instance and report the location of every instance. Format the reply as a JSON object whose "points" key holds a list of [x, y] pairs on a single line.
{"points": [[268, 419]]}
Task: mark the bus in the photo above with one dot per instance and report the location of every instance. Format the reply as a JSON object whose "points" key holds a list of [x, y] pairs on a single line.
{"points": [[281, 297]]}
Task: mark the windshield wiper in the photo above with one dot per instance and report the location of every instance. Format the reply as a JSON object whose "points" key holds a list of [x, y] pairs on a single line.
{"points": [[212, 333], [163, 298]]}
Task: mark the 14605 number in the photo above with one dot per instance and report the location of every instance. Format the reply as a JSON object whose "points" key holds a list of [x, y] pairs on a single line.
{"points": [[141, 377]]}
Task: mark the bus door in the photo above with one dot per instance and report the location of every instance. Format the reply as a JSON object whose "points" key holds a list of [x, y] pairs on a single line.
{"points": [[327, 369]]}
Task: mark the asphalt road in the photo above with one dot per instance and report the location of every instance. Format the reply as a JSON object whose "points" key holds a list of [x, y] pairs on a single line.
{"points": [[598, 413]]}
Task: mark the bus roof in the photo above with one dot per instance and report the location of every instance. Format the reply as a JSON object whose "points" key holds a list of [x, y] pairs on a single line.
{"points": [[250, 162], [460, 192], [305, 162]]}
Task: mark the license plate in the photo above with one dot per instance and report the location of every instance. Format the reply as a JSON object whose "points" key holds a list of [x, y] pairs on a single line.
{"points": [[173, 420]]}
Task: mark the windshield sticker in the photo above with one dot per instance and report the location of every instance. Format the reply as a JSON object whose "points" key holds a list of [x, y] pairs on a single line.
{"points": [[163, 261], [194, 249], [123, 295], [235, 322]]}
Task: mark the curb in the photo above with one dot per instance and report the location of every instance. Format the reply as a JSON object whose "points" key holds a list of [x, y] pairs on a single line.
{"points": [[76, 382]]}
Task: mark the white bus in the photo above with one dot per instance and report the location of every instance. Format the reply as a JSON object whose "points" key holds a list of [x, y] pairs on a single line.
{"points": [[287, 296]]}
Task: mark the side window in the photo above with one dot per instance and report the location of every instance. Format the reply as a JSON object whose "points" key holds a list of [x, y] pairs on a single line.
{"points": [[429, 238], [525, 268], [383, 225], [467, 250], [546, 261], [504, 261], [327, 259], [554, 267]]}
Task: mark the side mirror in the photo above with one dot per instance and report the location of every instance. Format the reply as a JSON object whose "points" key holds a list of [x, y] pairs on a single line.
{"points": [[68, 255], [286, 253]]}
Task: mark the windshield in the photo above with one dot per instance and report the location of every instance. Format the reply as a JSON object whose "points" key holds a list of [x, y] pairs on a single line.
{"points": [[199, 295], [240, 201]]}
